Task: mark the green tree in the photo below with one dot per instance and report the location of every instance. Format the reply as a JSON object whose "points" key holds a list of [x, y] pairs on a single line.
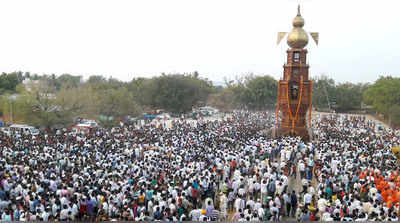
{"points": [[74, 102], [9, 82], [384, 96], [252, 92], [260, 92], [96, 79], [115, 103], [68, 81], [38, 106], [394, 113], [324, 92], [178, 93], [141, 89], [349, 96]]}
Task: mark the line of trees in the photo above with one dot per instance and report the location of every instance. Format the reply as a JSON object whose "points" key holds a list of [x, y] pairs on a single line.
{"points": [[260, 92], [248, 91], [48, 100], [384, 97], [381, 97], [341, 97]]}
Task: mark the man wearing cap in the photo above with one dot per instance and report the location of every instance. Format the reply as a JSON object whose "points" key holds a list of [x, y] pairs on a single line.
{"points": [[203, 216]]}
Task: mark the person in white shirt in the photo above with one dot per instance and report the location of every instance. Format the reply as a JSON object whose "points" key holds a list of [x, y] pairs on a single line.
{"points": [[55, 209], [326, 216], [258, 204], [195, 214], [264, 190], [241, 191], [304, 183], [261, 212], [311, 190], [223, 206], [64, 213], [45, 215], [239, 204], [307, 199], [286, 204], [302, 169]]}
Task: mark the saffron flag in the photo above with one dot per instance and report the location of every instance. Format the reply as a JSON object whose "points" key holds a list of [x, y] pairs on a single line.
{"points": [[315, 37], [280, 36]]}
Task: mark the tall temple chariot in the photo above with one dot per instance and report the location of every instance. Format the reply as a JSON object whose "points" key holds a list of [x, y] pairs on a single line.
{"points": [[295, 89]]}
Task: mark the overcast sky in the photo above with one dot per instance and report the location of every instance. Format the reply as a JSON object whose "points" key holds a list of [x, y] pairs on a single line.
{"points": [[359, 39]]}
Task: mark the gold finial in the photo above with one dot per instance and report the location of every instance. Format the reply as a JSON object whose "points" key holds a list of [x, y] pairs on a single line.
{"points": [[298, 10], [298, 37], [298, 21]]}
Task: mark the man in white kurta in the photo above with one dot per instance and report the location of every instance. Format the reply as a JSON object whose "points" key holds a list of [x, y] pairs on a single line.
{"points": [[223, 206]]}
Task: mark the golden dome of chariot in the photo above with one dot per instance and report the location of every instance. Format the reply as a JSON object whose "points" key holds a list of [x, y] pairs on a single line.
{"points": [[298, 38]]}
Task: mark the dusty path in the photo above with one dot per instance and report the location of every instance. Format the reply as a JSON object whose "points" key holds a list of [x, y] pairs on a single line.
{"points": [[367, 116], [379, 122]]}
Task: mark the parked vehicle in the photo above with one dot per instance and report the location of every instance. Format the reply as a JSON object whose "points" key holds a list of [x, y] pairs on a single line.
{"points": [[26, 129], [163, 116], [80, 129], [91, 123], [205, 111], [5, 130]]}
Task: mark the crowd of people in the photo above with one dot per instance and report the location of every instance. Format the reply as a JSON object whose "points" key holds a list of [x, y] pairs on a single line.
{"points": [[356, 171], [213, 170]]}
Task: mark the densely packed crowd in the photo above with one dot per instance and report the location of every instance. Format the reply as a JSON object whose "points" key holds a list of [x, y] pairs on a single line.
{"points": [[356, 171], [215, 170]]}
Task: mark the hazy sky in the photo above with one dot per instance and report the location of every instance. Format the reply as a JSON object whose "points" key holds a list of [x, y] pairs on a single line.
{"points": [[359, 39]]}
